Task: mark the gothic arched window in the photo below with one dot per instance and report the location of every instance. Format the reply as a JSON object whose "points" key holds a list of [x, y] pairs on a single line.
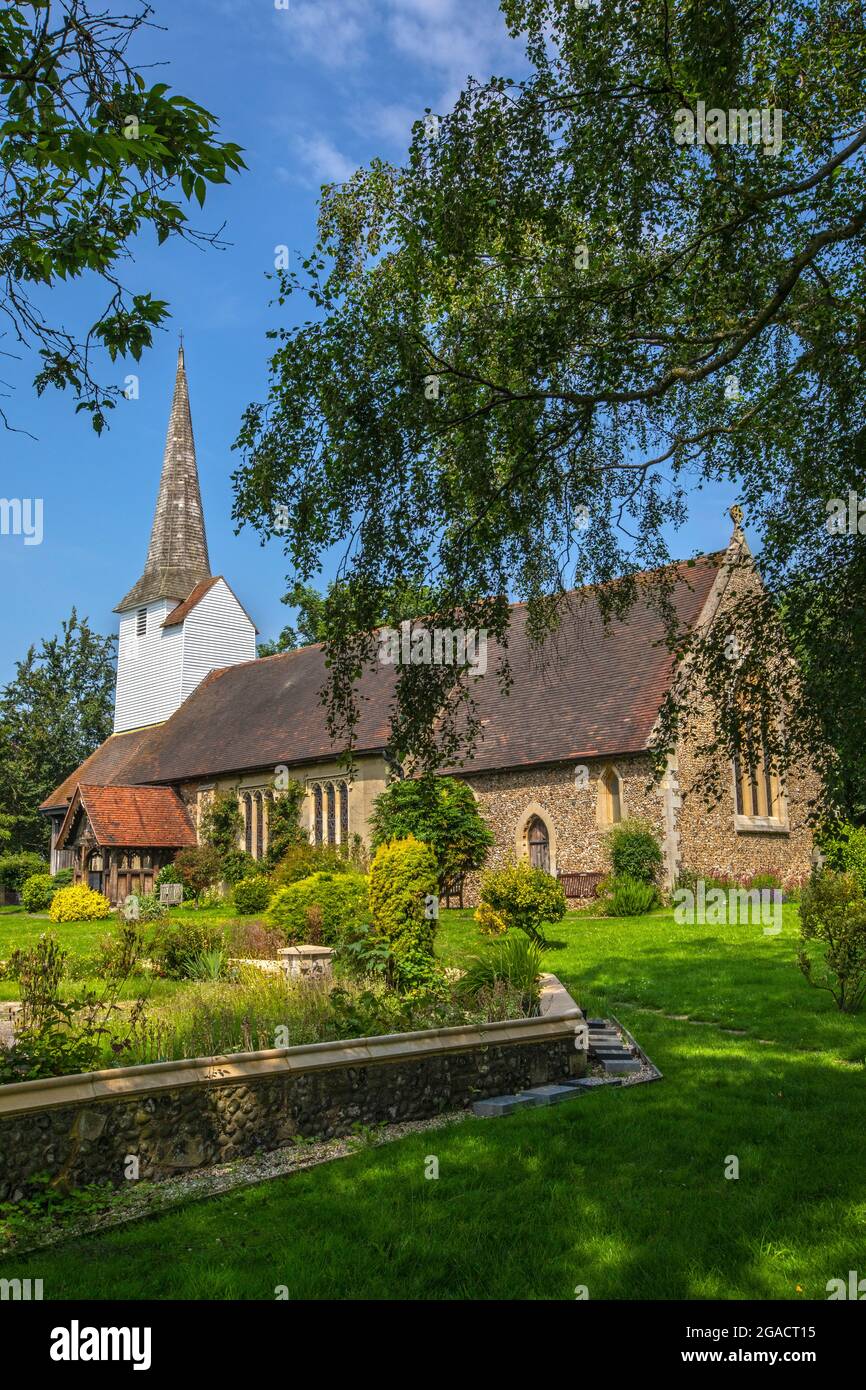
{"points": [[332, 815], [248, 822], [610, 797], [259, 801], [344, 814], [317, 814]]}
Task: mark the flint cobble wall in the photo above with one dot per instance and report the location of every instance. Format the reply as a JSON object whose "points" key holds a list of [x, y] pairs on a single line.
{"points": [[568, 803], [203, 1123]]}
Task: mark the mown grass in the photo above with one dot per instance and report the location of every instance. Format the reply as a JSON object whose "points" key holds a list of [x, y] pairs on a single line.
{"points": [[81, 939], [622, 1191]]}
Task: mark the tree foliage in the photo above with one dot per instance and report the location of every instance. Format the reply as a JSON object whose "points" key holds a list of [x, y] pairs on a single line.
{"points": [[535, 341], [833, 913], [440, 811], [284, 823], [314, 609], [91, 156], [222, 823], [200, 868], [53, 714]]}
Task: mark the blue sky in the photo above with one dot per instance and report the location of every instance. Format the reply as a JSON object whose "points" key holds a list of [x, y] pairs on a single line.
{"points": [[310, 92]]}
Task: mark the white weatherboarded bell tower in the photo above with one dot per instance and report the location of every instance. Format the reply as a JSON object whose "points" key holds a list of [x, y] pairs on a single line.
{"points": [[179, 622]]}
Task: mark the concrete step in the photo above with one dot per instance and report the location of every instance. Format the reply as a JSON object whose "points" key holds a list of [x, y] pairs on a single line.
{"points": [[622, 1068], [502, 1105], [531, 1098], [551, 1094]]}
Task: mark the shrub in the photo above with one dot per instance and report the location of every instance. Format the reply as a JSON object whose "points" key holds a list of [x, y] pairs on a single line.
{"points": [[205, 965], [150, 909], [520, 896], [169, 873], [314, 925], [628, 897], [760, 881], [284, 822], [441, 812], [37, 892], [173, 943], [221, 823], [402, 875], [63, 878], [38, 971], [303, 860], [121, 952], [237, 865], [833, 912], [252, 895], [634, 851], [254, 941], [844, 849], [78, 904], [15, 869], [200, 867], [516, 962], [490, 922], [341, 897]]}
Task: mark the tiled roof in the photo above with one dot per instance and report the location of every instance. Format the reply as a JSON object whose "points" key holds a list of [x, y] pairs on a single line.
{"points": [[178, 614], [591, 690], [107, 765], [183, 610], [132, 817]]}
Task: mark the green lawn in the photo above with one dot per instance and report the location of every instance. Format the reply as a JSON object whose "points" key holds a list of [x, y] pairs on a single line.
{"points": [[22, 929], [622, 1191]]}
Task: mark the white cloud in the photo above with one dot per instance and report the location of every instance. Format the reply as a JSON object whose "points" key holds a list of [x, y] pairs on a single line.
{"points": [[453, 38], [322, 160], [332, 31], [390, 121], [456, 38]]}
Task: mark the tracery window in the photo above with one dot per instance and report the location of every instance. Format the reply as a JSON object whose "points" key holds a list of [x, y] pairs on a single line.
{"points": [[317, 814], [332, 814], [248, 822], [757, 789]]}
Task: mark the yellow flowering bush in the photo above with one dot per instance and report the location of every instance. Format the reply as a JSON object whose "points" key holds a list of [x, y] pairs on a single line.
{"points": [[78, 904], [490, 922]]}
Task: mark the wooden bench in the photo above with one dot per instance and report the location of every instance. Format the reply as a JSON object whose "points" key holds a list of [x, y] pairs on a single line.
{"points": [[581, 885]]}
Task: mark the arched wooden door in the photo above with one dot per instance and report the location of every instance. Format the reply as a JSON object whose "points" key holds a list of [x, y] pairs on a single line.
{"points": [[539, 844]]}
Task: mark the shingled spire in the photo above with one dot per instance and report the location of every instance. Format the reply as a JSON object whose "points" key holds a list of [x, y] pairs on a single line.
{"points": [[177, 557]]}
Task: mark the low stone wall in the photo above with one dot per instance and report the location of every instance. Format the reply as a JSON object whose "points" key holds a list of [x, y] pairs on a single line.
{"points": [[154, 1121]]}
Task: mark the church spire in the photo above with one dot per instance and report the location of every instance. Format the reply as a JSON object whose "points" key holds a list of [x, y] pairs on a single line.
{"points": [[177, 557]]}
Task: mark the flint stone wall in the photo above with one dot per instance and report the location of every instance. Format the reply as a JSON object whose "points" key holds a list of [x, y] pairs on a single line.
{"points": [[174, 1117]]}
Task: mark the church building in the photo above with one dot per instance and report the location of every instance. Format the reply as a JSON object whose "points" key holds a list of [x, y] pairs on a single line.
{"points": [[561, 758]]}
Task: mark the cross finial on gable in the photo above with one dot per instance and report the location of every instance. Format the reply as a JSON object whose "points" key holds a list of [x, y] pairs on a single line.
{"points": [[736, 515]]}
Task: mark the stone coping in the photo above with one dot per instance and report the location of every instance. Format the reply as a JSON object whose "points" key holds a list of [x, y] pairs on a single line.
{"points": [[558, 1017], [314, 952]]}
